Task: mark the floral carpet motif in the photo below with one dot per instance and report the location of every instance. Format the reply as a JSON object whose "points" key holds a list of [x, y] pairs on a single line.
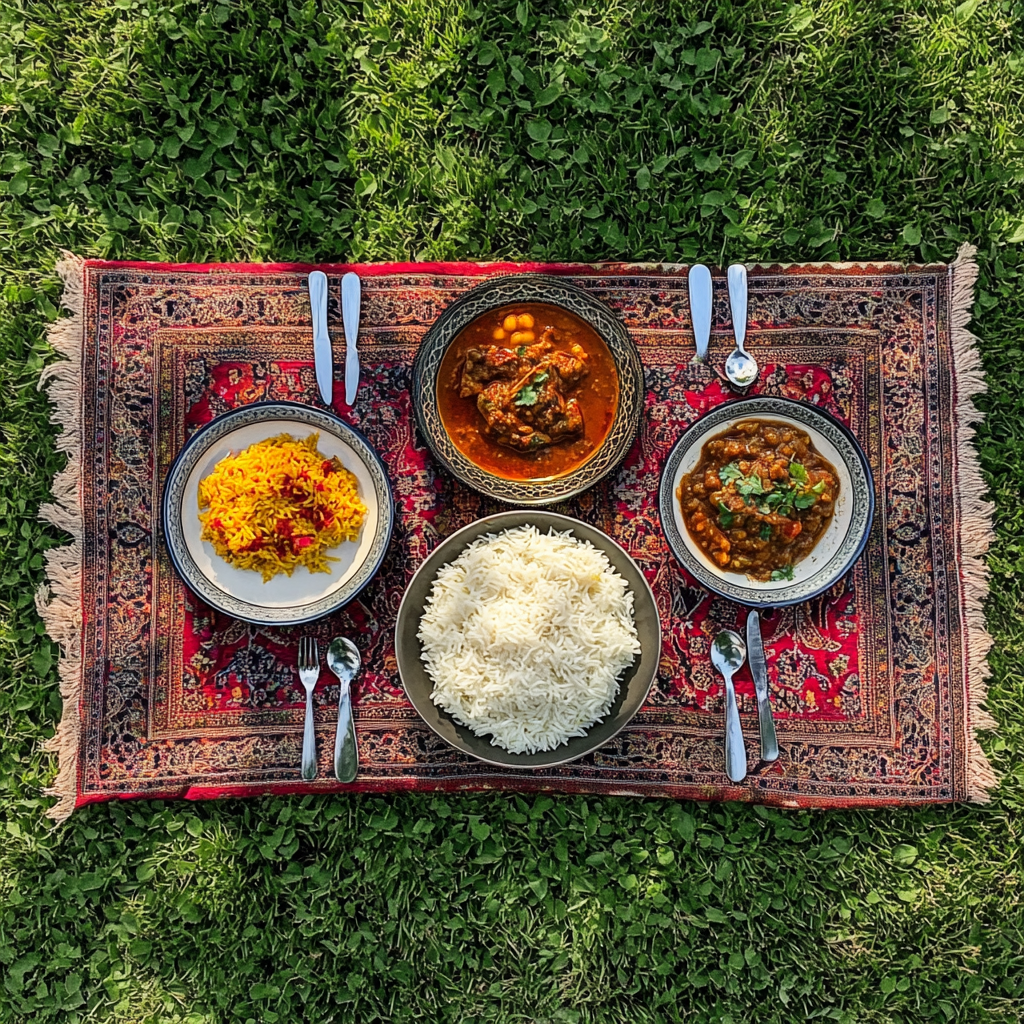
{"points": [[876, 684]]}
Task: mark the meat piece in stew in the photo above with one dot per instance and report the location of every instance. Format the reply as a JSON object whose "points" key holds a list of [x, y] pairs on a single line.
{"points": [[523, 393], [759, 498]]}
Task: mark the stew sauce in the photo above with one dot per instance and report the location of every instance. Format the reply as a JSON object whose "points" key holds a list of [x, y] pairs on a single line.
{"points": [[528, 391]]}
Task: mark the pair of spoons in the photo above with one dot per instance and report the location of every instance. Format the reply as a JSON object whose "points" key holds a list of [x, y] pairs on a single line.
{"points": [[728, 653], [741, 367]]}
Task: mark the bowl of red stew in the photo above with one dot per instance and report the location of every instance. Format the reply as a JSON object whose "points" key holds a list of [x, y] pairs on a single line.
{"points": [[767, 501], [528, 389]]}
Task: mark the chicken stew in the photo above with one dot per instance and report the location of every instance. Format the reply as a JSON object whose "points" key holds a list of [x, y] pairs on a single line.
{"points": [[528, 392]]}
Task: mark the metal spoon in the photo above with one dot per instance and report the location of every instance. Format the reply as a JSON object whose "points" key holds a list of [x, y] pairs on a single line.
{"points": [[343, 660], [741, 367], [728, 653]]}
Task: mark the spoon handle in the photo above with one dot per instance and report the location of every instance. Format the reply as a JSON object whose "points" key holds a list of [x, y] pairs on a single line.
{"points": [[737, 276], [700, 291], [346, 753], [735, 751]]}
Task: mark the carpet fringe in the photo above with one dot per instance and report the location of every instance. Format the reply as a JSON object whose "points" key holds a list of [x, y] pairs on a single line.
{"points": [[59, 599], [975, 515]]}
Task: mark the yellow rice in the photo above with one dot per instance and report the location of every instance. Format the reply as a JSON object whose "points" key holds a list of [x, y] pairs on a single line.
{"points": [[279, 504]]}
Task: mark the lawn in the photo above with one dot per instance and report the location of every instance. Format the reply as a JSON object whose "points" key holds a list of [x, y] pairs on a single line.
{"points": [[436, 129]]}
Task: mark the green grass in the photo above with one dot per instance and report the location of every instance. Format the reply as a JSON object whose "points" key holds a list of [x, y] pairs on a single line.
{"points": [[435, 129]]}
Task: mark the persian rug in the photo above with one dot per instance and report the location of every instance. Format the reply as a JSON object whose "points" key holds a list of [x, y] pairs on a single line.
{"points": [[877, 685]]}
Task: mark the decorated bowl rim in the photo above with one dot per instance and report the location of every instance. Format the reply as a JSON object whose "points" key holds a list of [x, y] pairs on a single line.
{"points": [[544, 289]]}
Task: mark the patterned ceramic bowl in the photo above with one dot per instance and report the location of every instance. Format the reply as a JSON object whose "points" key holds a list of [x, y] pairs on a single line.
{"points": [[634, 684], [532, 288], [283, 600], [843, 540]]}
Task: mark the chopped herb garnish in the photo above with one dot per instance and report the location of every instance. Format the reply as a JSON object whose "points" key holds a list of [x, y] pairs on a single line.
{"points": [[766, 531], [785, 573], [528, 394], [730, 472], [745, 485], [775, 497], [750, 485], [724, 515], [521, 351]]}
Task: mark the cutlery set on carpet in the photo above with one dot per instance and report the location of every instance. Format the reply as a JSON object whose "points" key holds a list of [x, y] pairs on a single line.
{"points": [[342, 654], [323, 355], [343, 660], [728, 653]]}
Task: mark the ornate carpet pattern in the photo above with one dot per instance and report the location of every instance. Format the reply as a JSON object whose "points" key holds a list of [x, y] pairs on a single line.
{"points": [[876, 685]]}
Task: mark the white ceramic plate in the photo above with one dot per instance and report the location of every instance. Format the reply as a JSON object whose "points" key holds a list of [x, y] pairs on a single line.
{"points": [[844, 538], [283, 600]]}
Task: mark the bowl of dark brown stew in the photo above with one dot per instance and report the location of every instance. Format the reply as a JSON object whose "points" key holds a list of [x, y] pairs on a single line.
{"points": [[528, 389], [767, 501]]}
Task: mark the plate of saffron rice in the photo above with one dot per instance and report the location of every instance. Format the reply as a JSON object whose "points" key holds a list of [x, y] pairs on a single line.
{"points": [[277, 513]]}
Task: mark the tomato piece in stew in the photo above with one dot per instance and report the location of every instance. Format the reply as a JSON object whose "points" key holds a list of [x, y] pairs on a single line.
{"points": [[759, 498]]}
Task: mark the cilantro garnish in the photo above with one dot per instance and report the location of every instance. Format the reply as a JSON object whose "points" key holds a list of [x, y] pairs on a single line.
{"points": [[766, 531], [528, 394], [724, 515], [745, 485], [750, 485], [785, 573], [521, 351], [781, 499]]}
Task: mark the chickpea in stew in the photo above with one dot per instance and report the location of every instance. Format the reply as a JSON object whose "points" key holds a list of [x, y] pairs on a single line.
{"points": [[759, 498]]}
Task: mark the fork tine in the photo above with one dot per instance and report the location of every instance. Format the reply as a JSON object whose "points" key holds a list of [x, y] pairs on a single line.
{"points": [[302, 653], [314, 654]]}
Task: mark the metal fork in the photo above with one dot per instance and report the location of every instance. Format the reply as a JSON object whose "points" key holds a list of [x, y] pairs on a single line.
{"points": [[309, 672]]}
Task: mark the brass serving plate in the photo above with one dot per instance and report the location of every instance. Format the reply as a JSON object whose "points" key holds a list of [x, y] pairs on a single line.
{"points": [[634, 683], [503, 291]]}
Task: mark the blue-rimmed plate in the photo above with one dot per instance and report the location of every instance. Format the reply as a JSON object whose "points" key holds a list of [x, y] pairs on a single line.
{"points": [[283, 600], [844, 538]]}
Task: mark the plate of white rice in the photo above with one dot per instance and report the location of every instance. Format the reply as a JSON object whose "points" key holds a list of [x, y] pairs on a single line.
{"points": [[528, 639]]}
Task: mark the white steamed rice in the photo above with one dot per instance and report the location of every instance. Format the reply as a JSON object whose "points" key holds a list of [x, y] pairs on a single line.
{"points": [[525, 635]]}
